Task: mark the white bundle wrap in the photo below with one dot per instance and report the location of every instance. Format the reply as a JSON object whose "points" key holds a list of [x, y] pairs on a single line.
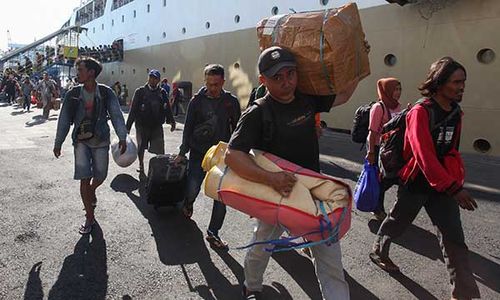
{"points": [[127, 158]]}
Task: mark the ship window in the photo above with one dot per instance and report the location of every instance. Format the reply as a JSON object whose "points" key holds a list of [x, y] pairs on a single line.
{"points": [[147, 38], [236, 65], [207, 25], [147, 70], [390, 60], [133, 71], [123, 18], [112, 22], [323, 2], [482, 146], [148, 8], [183, 30], [274, 11], [164, 2], [164, 35], [164, 70], [112, 72], [237, 19], [486, 56], [121, 72], [135, 14]]}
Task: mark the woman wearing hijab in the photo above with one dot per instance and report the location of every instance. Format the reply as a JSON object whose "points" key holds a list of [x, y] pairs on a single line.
{"points": [[389, 92]]}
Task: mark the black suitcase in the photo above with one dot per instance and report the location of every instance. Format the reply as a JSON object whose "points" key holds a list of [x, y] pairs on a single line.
{"points": [[166, 184]]}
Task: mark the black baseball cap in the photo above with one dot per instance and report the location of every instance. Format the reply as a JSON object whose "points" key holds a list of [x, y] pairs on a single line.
{"points": [[273, 59]]}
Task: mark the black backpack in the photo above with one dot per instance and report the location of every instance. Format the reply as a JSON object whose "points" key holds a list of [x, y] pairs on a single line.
{"points": [[391, 159], [361, 121]]}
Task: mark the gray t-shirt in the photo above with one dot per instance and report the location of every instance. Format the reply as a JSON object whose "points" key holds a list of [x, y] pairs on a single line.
{"points": [[89, 99]]}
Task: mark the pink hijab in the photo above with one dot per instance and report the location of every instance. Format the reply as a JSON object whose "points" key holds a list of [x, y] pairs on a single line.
{"points": [[385, 90]]}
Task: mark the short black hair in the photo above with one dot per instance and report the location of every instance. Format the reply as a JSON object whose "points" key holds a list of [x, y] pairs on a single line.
{"points": [[439, 73], [214, 69], [91, 64]]}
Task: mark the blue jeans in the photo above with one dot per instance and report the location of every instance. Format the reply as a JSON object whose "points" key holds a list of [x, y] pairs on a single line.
{"points": [[195, 178]]}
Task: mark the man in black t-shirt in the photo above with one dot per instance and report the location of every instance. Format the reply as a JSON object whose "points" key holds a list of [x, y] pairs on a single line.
{"points": [[291, 135]]}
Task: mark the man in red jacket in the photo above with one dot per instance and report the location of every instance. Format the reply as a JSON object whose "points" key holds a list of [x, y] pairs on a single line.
{"points": [[433, 176]]}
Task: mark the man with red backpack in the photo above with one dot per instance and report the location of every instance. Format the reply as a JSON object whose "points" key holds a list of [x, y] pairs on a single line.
{"points": [[433, 176]]}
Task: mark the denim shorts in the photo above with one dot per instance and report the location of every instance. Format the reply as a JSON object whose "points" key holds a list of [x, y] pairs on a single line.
{"points": [[91, 162]]}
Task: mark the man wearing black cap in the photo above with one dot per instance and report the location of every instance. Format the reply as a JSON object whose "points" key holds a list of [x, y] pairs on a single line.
{"points": [[150, 109], [292, 136]]}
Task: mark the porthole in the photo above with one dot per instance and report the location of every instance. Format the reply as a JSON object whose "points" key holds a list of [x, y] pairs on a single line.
{"points": [[486, 56], [148, 8], [147, 71], [236, 65], [390, 60], [323, 2], [133, 71], [164, 70], [274, 11], [237, 19], [164, 3], [147, 38], [183, 30], [135, 14], [482, 146], [123, 18], [164, 35], [121, 72], [207, 25], [112, 72]]}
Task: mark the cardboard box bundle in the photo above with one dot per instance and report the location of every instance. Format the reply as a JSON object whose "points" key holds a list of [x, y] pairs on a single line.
{"points": [[328, 45]]}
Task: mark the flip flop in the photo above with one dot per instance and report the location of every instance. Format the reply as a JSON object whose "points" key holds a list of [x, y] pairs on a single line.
{"points": [[385, 263]]}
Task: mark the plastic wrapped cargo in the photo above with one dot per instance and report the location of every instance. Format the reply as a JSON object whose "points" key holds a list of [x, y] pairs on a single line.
{"points": [[329, 47], [315, 201]]}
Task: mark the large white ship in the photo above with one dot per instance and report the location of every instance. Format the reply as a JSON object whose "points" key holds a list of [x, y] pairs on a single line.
{"points": [[180, 37]]}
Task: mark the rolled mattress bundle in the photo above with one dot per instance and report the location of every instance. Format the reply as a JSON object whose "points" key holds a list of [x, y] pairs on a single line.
{"points": [[319, 206]]}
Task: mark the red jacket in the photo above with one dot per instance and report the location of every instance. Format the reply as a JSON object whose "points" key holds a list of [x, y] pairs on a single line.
{"points": [[421, 156]]}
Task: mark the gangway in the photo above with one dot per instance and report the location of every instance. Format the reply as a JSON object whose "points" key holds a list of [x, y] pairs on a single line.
{"points": [[39, 42]]}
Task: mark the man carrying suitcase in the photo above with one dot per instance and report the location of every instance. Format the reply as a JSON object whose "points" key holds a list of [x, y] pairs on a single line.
{"points": [[150, 109], [211, 117]]}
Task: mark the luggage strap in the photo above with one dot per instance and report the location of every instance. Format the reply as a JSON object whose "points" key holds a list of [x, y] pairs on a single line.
{"points": [[321, 52]]}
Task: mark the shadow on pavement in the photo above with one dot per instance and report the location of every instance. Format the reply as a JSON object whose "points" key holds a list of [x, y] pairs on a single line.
{"points": [[84, 274], [425, 243], [302, 271], [179, 241], [19, 112], [34, 289], [416, 289], [335, 170]]}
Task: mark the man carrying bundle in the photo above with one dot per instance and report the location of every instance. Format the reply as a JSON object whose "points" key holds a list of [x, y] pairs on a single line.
{"points": [[291, 135]]}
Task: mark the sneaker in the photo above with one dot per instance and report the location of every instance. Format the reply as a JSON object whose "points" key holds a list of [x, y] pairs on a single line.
{"points": [[86, 227], [250, 295]]}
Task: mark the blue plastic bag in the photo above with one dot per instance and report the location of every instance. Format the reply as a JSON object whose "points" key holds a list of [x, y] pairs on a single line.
{"points": [[366, 194]]}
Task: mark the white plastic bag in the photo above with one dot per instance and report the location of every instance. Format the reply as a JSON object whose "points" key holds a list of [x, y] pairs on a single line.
{"points": [[127, 158]]}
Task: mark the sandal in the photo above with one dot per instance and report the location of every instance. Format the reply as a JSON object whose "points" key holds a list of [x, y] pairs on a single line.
{"points": [[86, 227], [216, 242], [187, 210], [385, 263]]}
